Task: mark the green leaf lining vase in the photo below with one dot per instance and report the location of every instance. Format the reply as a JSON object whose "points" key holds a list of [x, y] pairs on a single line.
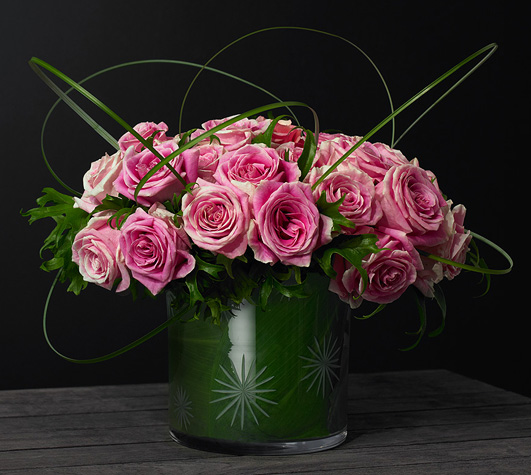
{"points": [[263, 382]]}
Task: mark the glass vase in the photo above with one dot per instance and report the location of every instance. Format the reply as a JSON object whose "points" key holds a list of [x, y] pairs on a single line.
{"points": [[262, 382]]}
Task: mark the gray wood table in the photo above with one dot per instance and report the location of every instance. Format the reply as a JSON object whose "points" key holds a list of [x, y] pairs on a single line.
{"points": [[399, 422]]}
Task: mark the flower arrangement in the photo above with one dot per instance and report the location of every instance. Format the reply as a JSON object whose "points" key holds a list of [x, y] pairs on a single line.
{"points": [[254, 202]]}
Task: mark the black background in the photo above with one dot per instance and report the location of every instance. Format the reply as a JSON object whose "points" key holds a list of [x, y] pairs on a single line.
{"points": [[475, 141]]}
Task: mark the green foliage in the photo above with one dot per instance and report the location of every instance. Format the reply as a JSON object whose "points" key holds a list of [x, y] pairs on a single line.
{"points": [[332, 211], [119, 207], [352, 248], [266, 137], [69, 221], [308, 154]]}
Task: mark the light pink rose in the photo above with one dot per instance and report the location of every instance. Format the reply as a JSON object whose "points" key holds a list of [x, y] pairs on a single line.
{"points": [[155, 250], [287, 226], [248, 166], [331, 147], [207, 155], [455, 248], [336, 285], [235, 135], [290, 151], [376, 159], [97, 252], [98, 181], [412, 202], [217, 218], [390, 271], [145, 130], [163, 184], [360, 204]]}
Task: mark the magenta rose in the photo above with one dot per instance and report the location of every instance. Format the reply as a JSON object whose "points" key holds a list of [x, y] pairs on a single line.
{"points": [[390, 271], [412, 202], [376, 159], [287, 225], [163, 184], [145, 130], [97, 252], [98, 182], [155, 250], [248, 166], [359, 205], [217, 218]]}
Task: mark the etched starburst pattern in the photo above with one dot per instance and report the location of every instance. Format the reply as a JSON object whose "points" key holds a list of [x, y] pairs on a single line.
{"points": [[322, 364], [243, 392], [182, 407]]}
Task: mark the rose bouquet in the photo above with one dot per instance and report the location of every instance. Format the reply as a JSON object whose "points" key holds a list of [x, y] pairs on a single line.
{"points": [[244, 198], [227, 212], [261, 233]]}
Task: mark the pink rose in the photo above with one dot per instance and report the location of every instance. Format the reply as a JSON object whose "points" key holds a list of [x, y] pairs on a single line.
{"points": [[97, 252], [412, 202], [376, 159], [332, 147], [155, 250], [284, 132], [287, 226], [455, 248], [360, 205], [217, 218], [145, 130], [207, 156], [163, 184], [98, 181], [340, 265], [390, 271], [289, 151], [235, 135], [248, 166]]}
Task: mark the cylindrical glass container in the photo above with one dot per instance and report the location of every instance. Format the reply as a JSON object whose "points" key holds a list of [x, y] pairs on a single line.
{"points": [[263, 382]]}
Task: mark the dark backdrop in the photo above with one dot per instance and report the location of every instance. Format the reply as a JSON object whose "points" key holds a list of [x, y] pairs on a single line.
{"points": [[472, 140]]}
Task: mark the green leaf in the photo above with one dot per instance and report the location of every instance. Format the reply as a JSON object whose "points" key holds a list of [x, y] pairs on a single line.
{"points": [[378, 309], [421, 307], [267, 136], [210, 268], [332, 211], [226, 263], [193, 288], [305, 161], [441, 302], [265, 291], [354, 249], [69, 221]]}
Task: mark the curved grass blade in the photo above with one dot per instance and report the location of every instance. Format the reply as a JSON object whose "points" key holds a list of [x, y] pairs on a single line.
{"points": [[212, 131], [63, 94], [36, 62], [313, 30], [446, 93], [492, 47], [481, 270], [108, 356]]}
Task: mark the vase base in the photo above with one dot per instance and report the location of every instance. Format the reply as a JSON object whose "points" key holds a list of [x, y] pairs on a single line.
{"points": [[259, 448]]}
